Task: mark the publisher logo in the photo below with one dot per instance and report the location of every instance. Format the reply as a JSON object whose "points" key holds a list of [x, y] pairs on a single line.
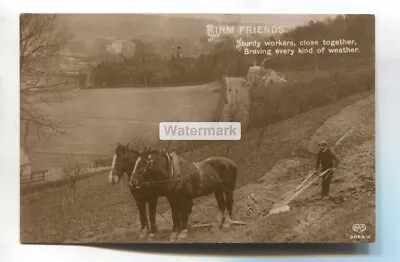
{"points": [[359, 228]]}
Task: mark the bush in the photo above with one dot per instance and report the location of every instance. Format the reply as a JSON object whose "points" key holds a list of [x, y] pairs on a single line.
{"points": [[280, 101], [102, 161]]}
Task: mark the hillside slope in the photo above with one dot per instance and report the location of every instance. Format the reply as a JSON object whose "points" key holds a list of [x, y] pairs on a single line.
{"points": [[310, 219], [108, 214]]}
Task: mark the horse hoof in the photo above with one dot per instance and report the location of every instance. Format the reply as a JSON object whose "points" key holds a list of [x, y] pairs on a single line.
{"points": [[183, 234], [227, 223], [216, 227], [150, 237], [173, 237], [143, 234]]}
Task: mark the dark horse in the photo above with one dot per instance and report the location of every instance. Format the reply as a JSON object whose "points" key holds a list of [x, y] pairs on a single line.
{"points": [[123, 162], [182, 181]]}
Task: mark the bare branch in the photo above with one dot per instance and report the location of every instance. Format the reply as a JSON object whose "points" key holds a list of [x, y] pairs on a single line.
{"points": [[40, 41]]}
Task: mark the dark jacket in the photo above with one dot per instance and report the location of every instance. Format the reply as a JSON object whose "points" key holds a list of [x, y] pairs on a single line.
{"points": [[325, 159]]}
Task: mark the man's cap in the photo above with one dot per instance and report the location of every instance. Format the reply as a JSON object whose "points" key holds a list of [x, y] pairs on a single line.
{"points": [[323, 143]]}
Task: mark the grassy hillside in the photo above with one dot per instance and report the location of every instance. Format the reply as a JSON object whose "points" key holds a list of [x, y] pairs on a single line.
{"points": [[96, 120]]}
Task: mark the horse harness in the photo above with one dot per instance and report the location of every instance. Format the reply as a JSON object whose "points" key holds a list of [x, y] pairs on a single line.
{"points": [[175, 172], [201, 174]]}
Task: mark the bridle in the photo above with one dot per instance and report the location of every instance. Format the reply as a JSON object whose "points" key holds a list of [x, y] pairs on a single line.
{"points": [[140, 176], [121, 160]]}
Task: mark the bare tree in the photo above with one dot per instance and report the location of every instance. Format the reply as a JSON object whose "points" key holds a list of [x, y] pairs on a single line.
{"points": [[73, 168], [138, 143], [40, 42], [190, 146], [231, 114]]}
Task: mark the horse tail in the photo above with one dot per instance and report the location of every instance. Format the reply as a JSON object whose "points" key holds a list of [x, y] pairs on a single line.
{"points": [[230, 176], [234, 171]]}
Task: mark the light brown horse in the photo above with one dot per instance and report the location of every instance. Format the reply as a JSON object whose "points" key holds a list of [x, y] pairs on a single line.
{"points": [[182, 181]]}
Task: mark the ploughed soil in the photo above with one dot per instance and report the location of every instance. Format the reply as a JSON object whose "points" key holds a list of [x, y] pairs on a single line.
{"points": [[104, 213]]}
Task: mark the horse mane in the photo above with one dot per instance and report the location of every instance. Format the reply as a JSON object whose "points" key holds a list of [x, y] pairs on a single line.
{"points": [[134, 151], [154, 151], [128, 148]]}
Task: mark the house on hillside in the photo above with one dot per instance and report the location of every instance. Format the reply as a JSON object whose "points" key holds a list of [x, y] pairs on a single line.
{"points": [[72, 71], [263, 76], [25, 165], [122, 47]]}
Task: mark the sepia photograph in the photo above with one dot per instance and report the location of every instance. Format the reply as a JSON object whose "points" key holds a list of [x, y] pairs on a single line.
{"points": [[197, 128]]}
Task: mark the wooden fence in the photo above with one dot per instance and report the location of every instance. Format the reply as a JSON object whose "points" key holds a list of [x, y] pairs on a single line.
{"points": [[33, 177]]}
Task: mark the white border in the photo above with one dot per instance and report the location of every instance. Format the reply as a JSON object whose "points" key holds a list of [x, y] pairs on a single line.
{"points": [[387, 23]]}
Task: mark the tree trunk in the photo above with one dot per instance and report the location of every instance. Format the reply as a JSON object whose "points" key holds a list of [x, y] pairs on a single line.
{"points": [[26, 135], [316, 64], [145, 79]]}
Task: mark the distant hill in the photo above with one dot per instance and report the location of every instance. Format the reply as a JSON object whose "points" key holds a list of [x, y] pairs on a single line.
{"points": [[156, 29], [164, 32]]}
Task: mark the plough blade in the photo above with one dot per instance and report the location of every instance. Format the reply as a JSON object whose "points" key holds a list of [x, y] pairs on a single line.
{"points": [[276, 209], [283, 205]]}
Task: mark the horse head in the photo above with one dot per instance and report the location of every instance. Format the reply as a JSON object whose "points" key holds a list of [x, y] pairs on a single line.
{"points": [[149, 167], [122, 162]]}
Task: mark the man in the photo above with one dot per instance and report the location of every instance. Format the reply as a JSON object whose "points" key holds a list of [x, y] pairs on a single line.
{"points": [[325, 159]]}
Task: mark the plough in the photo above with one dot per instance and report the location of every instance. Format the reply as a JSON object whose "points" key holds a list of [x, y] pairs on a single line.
{"points": [[283, 206]]}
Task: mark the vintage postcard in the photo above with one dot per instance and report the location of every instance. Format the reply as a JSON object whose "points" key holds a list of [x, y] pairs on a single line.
{"points": [[197, 128]]}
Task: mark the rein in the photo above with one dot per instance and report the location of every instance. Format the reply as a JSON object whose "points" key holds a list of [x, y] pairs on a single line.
{"points": [[169, 180], [172, 179]]}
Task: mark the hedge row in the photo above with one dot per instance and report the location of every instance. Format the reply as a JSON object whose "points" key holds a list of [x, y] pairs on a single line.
{"points": [[280, 101]]}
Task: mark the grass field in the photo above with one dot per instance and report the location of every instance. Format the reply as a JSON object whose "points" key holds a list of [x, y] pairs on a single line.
{"points": [[96, 120]]}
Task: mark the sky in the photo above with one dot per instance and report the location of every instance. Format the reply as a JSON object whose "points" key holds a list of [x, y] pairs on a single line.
{"points": [[287, 20]]}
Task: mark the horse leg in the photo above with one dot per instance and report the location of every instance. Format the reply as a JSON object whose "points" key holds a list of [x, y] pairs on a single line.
{"points": [[175, 218], [219, 196], [141, 204], [190, 216], [186, 209], [229, 207], [152, 211]]}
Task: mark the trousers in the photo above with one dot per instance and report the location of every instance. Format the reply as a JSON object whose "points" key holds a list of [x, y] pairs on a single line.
{"points": [[326, 182]]}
